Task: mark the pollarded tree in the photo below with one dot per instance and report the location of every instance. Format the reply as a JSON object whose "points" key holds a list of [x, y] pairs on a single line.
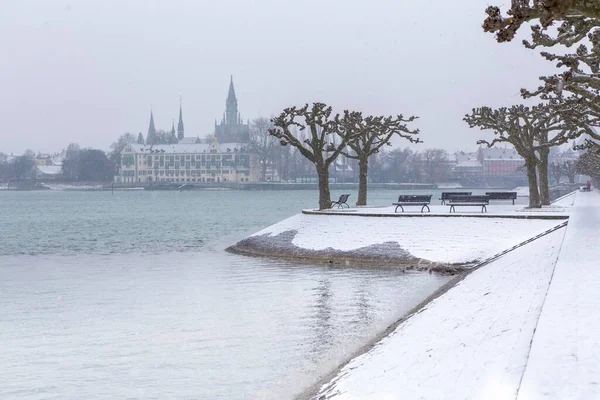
{"points": [[316, 145], [370, 135], [589, 164], [546, 11], [578, 84], [532, 131]]}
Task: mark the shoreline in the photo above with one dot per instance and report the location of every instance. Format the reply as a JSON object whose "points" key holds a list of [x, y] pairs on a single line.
{"points": [[327, 381], [386, 254], [336, 237], [310, 392]]}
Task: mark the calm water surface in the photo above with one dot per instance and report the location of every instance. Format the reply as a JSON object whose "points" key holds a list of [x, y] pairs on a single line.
{"points": [[132, 295]]}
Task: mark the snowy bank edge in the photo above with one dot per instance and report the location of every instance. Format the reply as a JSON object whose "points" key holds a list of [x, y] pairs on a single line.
{"points": [[315, 389], [280, 246]]}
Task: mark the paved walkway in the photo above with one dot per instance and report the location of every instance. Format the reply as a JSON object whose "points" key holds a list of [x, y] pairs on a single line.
{"points": [[564, 360]]}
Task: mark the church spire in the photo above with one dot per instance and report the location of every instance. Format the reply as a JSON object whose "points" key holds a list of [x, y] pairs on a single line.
{"points": [[180, 123], [231, 106], [151, 138]]}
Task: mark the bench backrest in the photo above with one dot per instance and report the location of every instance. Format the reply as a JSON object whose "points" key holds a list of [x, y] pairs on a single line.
{"points": [[470, 199], [502, 195], [414, 198], [448, 195], [343, 198]]}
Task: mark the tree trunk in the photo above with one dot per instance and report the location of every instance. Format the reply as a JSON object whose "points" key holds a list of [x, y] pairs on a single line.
{"points": [[324, 194], [263, 170], [534, 195], [543, 172], [363, 167]]}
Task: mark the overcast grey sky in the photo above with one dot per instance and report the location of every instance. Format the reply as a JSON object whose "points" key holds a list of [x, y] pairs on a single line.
{"points": [[88, 71]]}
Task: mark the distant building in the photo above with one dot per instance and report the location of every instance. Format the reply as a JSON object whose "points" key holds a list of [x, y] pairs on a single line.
{"points": [[151, 137], [180, 135], [49, 159], [499, 161], [187, 163], [46, 172], [468, 169], [190, 140], [232, 129]]}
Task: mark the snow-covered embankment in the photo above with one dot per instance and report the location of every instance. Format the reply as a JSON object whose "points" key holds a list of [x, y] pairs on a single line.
{"points": [[471, 342], [438, 243]]}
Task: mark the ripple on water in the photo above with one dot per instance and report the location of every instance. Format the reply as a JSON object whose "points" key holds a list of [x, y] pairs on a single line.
{"points": [[127, 296]]}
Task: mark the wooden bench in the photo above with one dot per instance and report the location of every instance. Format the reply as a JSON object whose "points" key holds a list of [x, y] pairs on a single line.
{"points": [[502, 196], [413, 200], [462, 201], [447, 195], [340, 203]]}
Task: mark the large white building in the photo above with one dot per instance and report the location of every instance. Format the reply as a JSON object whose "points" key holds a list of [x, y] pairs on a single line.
{"points": [[187, 163]]}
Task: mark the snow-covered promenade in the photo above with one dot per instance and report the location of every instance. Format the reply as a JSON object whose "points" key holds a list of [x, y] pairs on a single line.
{"points": [[525, 327], [564, 362]]}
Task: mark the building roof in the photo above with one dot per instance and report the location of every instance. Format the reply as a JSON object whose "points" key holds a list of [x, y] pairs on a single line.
{"points": [[468, 164], [464, 156], [184, 148], [492, 153], [189, 140], [49, 169]]}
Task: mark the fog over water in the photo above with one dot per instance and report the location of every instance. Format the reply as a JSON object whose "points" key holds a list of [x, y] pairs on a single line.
{"points": [[88, 71]]}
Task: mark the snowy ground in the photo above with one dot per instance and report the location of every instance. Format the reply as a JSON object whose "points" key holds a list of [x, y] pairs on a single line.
{"points": [[471, 342], [434, 239], [565, 356], [522, 327]]}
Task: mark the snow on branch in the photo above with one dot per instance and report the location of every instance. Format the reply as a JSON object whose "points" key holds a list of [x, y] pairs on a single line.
{"points": [[545, 11]]}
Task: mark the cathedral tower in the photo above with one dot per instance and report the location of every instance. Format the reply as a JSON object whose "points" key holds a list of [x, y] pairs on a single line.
{"points": [[180, 123], [232, 129], [151, 138]]}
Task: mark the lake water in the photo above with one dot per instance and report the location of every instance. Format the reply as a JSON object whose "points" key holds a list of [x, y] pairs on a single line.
{"points": [[131, 295]]}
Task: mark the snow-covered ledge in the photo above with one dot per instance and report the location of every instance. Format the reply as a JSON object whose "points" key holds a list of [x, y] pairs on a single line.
{"points": [[436, 243]]}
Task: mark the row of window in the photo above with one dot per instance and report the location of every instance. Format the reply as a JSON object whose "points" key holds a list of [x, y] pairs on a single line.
{"points": [[200, 180], [192, 172]]}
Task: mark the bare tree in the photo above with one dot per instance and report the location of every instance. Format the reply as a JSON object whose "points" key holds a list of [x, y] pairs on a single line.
{"points": [[117, 147], [546, 11], [532, 131], [318, 145], [577, 84], [556, 171], [569, 170], [370, 135], [434, 162], [589, 164], [263, 145]]}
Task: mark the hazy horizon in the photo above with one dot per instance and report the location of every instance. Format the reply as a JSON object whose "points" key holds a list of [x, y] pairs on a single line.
{"points": [[87, 72]]}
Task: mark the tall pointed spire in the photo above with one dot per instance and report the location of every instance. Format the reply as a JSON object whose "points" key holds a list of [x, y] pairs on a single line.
{"points": [[180, 123], [231, 106], [151, 138]]}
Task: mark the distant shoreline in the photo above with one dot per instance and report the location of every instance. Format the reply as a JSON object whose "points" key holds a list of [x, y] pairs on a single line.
{"points": [[94, 186]]}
